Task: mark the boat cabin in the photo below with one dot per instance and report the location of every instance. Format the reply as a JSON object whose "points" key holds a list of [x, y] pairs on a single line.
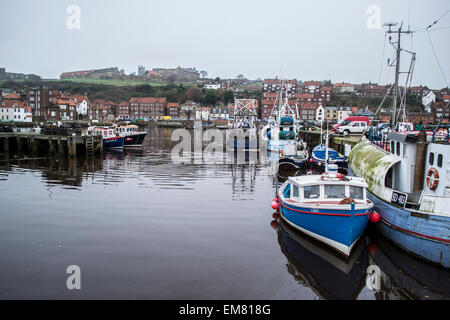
{"points": [[128, 129], [97, 131], [314, 189]]}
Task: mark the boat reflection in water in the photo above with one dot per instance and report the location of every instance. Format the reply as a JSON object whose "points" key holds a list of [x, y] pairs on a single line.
{"points": [[312, 264], [57, 171], [404, 276]]}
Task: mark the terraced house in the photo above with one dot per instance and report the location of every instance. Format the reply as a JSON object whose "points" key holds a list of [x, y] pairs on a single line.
{"points": [[147, 107]]}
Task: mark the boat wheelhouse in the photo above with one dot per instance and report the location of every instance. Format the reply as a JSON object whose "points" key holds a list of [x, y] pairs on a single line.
{"points": [[331, 207], [110, 139], [132, 136]]}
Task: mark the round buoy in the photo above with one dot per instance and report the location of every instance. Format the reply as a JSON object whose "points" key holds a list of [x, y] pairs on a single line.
{"points": [[374, 217], [319, 164], [311, 160], [274, 224], [275, 199], [372, 247], [275, 216], [275, 205]]}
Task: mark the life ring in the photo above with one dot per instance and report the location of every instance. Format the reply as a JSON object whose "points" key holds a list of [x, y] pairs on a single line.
{"points": [[432, 182]]}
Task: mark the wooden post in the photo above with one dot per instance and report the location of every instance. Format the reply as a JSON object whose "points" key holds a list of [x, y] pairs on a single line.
{"points": [[35, 146], [6, 144], [72, 147], [421, 154], [19, 145], [51, 147]]}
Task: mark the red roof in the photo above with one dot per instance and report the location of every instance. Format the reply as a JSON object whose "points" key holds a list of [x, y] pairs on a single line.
{"points": [[12, 96], [304, 95], [124, 104], [343, 85], [270, 95], [312, 83], [268, 102], [309, 105], [79, 98], [173, 105]]}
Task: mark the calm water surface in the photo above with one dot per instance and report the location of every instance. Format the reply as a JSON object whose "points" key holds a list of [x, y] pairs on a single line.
{"points": [[141, 227]]}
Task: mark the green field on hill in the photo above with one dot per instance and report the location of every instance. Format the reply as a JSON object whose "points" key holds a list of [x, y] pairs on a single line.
{"points": [[111, 82]]}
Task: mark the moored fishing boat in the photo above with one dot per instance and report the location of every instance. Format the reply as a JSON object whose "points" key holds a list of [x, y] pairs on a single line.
{"points": [[320, 153], [132, 136], [410, 187], [282, 128], [331, 207], [110, 139]]}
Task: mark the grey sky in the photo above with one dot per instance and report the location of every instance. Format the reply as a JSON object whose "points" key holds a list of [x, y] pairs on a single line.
{"points": [[307, 40]]}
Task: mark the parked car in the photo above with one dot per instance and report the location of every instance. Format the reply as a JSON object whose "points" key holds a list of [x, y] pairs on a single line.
{"points": [[353, 127], [346, 121]]}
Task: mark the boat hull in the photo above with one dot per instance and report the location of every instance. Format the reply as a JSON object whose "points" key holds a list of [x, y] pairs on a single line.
{"points": [[277, 145], [292, 162], [134, 140], [113, 143], [418, 233], [339, 229]]}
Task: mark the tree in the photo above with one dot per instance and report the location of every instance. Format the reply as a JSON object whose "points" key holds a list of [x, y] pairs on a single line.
{"points": [[228, 96], [203, 73], [240, 77], [210, 97], [194, 94], [217, 80]]}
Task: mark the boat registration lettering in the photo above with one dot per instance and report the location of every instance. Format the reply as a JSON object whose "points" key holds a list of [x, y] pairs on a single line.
{"points": [[399, 198]]}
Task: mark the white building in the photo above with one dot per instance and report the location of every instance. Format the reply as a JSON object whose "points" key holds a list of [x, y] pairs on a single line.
{"points": [[15, 111], [320, 113], [344, 112], [82, 104], [428, 99], [202, 113], [212, 86], [6, 112]]}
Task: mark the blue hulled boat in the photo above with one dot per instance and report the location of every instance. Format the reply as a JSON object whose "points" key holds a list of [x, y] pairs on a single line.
{"points": [[111, 140], [318, 157], [331, 207], [409, 186]]}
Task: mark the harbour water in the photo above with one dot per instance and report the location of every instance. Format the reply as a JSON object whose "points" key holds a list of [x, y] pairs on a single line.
{"points": [[141, 227]]}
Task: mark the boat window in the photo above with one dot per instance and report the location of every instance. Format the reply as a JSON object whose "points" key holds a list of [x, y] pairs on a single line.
{"points": [[393, 147], [334, 191], [311, 192], [287, 191], [398, 148], [295, 191], [431, 159], [356, 192], [439, 161], [388, 179]]}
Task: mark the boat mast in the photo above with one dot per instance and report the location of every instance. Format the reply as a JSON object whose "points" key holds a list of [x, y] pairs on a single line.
{"points": [[326, 151], [398, 48]]}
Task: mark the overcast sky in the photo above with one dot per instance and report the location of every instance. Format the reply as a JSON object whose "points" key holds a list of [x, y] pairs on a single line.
{"points": [[306, 40]]}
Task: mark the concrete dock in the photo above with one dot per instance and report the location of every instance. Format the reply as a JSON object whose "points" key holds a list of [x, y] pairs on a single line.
{"points": [[52, 145]]}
